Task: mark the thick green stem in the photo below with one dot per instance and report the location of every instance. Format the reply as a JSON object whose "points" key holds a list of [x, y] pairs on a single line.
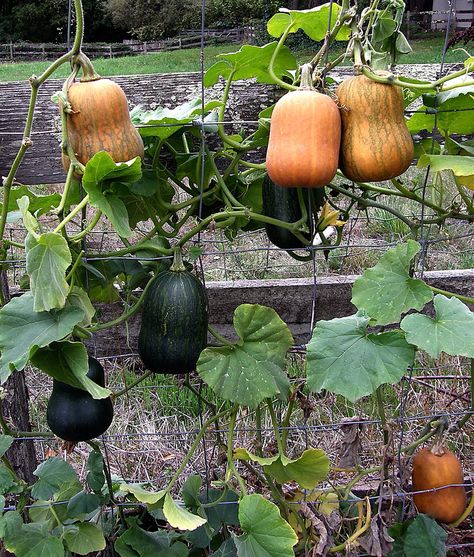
{"points": [[131, 385], [432, 431], [77, 209], [286, 422], [219, 337], [231, 468], [125, 315], [220, 127], [271, 65], [276, 429], [465, 299]]}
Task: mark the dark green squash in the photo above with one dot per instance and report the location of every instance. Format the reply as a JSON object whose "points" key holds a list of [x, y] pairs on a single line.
{"points": [[283, 204], [73, 415], [173, 330]]}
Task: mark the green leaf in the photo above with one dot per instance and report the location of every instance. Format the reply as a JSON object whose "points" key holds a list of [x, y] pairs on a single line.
{"points": [[52, 473], [266, 534], [343, 346], [5, 443], [68, 362], [307, 470], [141, 494], [31, 224], [78, 297], [401, 44], [251, 370], [387, 290], [418, 537], [83, 538], [384, 27], [95, 471], [7, 479], [38, 204], [47, 259], [179, 517], [156, 120], [459, 164], [227, 549], [104, 180], [136, 542], [252, 61], [29, 540], [82, 504], [23, 331], [189, 166], [451, 331], [313, 22], [454, 116]]}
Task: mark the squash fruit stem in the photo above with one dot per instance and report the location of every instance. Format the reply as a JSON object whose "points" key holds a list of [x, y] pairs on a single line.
{"points": [[306, 82], [178, 264]]}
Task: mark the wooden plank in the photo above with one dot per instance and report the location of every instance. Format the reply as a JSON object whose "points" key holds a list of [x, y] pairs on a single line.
{"points": [[42, 162], [291, 298]]}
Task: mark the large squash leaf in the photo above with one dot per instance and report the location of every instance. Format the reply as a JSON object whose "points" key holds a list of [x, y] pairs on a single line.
{"points": [[344, 358], [387, 290], [451, 331], [313, 22], [266, 534], [23, 331], [251, 61], [252, 369]]}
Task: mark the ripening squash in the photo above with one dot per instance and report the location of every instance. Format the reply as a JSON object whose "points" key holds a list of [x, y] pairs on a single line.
{"points": [[305, 134], [173, 330], [376, 144], [433, 468], [100, 121]]}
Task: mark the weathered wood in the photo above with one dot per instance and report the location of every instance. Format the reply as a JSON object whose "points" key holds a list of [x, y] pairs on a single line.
{"points": [[42, 164], [291, 298], [15, 409]]}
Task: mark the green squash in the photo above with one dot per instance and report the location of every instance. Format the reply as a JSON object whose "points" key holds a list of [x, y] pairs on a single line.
{"points": [[283, 204], [173, 329], [73, 415]]}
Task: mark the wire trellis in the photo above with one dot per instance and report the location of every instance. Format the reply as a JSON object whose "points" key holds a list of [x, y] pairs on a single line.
{"points": [[170, 437]]}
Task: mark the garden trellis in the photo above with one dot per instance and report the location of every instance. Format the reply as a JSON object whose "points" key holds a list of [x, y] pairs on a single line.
{"points": [[310, 429]]}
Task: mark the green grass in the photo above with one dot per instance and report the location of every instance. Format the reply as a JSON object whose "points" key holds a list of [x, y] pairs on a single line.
{"points": [[425, 51], [158, 62]]}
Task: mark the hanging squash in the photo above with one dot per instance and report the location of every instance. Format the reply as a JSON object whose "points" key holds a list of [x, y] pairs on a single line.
{"points": [[99, 120], [173, 330], [436, 468], [305, 134], [376, 144]]}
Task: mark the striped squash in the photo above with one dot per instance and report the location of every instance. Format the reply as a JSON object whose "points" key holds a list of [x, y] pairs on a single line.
{"points": [[100, 121], [376, 144]]}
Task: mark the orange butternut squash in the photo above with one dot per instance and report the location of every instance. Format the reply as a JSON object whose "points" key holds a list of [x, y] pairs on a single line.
{"points": [[434, 468], [376, 144], [100, 121], [305, 132]]}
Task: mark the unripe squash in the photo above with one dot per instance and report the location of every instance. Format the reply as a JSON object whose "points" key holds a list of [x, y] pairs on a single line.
{"points": [[434, 468], [376, 144], [100, 121], [305, 134], [173, 330], [73, 415]]}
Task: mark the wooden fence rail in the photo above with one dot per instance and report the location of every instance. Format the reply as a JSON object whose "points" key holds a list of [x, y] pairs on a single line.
{"points": [[24, 51]]}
